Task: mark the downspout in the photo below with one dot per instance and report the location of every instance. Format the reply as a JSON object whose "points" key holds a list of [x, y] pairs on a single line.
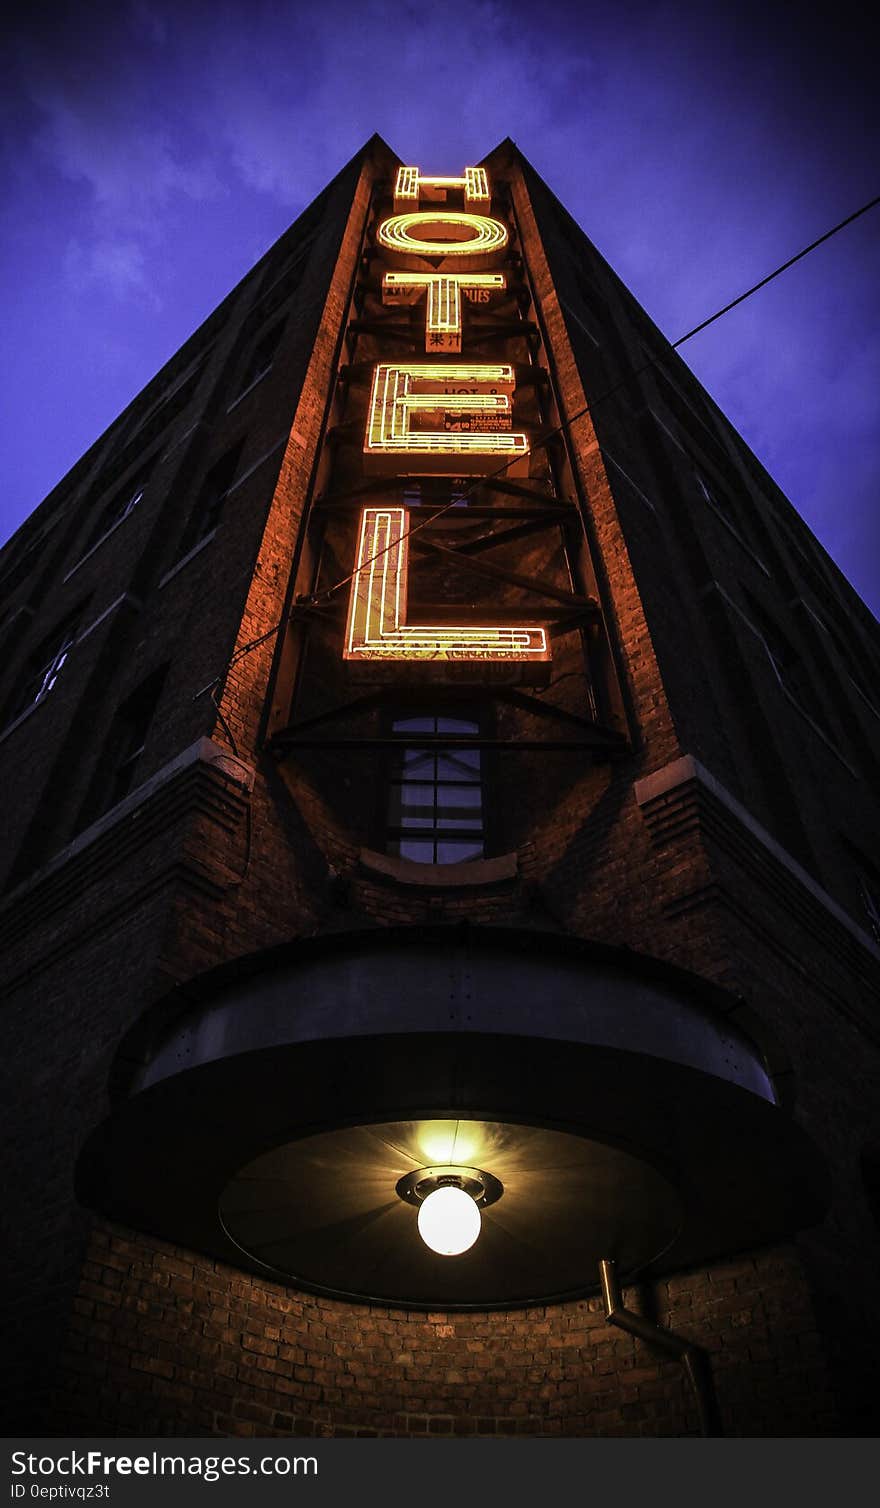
{"points": [[693, 1358]]}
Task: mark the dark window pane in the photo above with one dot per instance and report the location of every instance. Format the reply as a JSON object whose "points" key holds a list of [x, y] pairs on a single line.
{"points": [[458, 764], [261, 357], [116, 774], [460, 806], [421, 851], [42, 671], [414, 725], [468, 760], [458, 851], [212, 493], [411, 806], [416, 764], [457, 725], [124, 502], [451, 794]]}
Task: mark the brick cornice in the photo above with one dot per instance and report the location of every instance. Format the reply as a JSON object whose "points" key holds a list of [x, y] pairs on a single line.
{"points": [[204, 783], [684, 798]]}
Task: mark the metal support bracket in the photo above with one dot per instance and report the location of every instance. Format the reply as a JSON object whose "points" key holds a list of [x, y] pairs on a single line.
{"points": [[693, 1358]]}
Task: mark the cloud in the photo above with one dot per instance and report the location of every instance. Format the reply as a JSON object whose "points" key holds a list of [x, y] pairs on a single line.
{"points": [[99, 120], [697, 146], [147, 22], [118, 265], [293, 96], [130, 167]]}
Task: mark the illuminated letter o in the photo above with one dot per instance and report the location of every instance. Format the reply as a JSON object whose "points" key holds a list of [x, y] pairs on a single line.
{"points": [[468, 234]]}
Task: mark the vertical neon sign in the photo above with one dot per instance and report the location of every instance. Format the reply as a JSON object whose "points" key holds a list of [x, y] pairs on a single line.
{"points": [[434, 417]]}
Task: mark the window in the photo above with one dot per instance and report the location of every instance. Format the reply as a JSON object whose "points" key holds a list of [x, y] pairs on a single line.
{"points": [[437, 492], [587, 352], [261, 357], [22, 565], [209, 503], [869, 890], [693, 425], [435, 793], [867, 878], [852, 659], [43, 669], [168, 408], [115, 775], [591, 299], [121, 504], [721, 503], [794, 676], [285, 285], [713, 496], [807, 564]]}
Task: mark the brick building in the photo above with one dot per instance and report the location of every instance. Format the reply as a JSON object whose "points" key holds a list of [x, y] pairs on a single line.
{"points": [[540, 861]]}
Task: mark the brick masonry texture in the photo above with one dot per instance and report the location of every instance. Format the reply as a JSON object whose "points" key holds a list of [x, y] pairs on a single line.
{"points": [[163, 1342], [112, 1331]]}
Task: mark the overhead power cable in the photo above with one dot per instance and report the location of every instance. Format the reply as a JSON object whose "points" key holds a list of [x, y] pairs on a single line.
{"points": [[704, 324]]}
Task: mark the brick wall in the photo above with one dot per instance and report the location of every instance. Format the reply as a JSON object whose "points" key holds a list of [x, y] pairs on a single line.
{"points": [[166, 1342]]}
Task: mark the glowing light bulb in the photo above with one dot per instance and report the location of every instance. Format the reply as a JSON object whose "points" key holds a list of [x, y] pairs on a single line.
{"points": [[449, 1221]]}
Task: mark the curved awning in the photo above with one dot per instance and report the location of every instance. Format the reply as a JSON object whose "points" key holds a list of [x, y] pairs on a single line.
{"points": [[267, 1111]]}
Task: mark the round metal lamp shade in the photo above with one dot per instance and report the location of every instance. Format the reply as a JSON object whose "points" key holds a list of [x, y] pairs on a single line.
{"points": [[322, 1211], [266, 1114]]}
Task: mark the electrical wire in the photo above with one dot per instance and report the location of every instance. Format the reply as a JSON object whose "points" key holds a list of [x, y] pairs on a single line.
{"points": [[223, 723], [559, 429]]}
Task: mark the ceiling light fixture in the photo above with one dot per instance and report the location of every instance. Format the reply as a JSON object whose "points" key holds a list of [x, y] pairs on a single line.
{"points": [[449, 1201]]}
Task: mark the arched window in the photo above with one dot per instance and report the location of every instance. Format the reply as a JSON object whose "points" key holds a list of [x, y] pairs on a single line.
{"points": [[435, 812]]}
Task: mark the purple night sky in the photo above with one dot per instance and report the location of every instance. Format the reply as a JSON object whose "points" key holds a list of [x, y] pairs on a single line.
{"points": [[153, 151]]}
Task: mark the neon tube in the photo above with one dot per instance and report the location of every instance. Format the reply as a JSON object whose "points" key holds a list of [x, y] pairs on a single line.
{"points": [[424, 387], [443, 322], [468, 234], [410, 182], [377, 627]]}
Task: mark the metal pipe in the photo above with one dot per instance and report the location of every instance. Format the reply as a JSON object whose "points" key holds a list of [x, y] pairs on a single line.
{"points": [[693, 1358]]}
